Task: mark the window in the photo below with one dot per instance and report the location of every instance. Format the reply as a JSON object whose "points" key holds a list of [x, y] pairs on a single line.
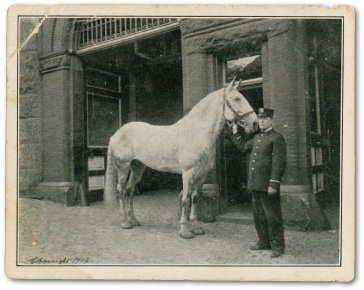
{"points": [[316, 155], [103, 107], [248, 68], [318, 182], [103, 120], [317, 166]]}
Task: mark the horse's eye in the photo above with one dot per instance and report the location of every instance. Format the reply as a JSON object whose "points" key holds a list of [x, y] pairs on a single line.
{"points": [[237, 99]]}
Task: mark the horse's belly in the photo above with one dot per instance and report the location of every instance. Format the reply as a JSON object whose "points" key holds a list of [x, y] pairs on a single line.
{"points": [[157, 148], [198, 157], [164, 149]]}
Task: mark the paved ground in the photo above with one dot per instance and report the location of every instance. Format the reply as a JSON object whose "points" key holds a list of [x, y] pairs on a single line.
{"points": [[53, 233]]}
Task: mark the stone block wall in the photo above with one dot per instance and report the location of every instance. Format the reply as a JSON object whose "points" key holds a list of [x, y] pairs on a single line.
{"points": [[30, 124], [284, 89]]}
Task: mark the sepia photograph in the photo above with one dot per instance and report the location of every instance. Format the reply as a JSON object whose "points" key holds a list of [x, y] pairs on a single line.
{"points": [[195, 139]]}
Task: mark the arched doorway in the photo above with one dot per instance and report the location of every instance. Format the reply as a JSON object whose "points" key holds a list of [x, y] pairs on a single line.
{"points": [[138, 80]]}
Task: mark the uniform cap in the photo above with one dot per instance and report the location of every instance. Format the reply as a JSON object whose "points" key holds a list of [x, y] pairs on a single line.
{"points": [[264, 112]]}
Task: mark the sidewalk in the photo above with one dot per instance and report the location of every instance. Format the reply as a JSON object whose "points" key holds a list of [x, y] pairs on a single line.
{"points": [[51, 231], [242, 214]]}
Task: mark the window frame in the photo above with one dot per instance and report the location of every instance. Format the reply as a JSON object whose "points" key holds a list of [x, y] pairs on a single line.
{"points": [[245, 84]]}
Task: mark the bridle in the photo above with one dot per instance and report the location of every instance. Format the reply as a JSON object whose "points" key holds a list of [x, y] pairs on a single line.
{"points": [[237, 116]]}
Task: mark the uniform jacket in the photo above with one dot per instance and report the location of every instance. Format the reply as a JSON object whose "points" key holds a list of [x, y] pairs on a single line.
{"points": [[267, 159]]}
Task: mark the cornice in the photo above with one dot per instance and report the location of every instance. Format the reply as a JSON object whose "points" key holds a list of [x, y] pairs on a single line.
{"points": [[54, 62]]}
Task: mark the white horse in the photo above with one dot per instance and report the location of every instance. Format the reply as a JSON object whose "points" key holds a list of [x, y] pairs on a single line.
{"points": [[188, 147]]}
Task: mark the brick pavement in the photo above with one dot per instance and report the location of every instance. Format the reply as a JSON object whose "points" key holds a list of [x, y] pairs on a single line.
{"points": [[54, 232]]}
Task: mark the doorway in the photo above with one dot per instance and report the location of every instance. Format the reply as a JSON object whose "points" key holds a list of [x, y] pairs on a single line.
{"points": [[139, 81], [236, 162], [245, 66]]}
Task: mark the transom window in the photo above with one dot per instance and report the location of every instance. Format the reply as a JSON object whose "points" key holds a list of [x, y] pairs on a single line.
{"points": [[99, 31], [246, 65]]}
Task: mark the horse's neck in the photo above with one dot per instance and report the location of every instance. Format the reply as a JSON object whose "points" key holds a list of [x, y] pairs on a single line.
{"points": [[206, 118]]}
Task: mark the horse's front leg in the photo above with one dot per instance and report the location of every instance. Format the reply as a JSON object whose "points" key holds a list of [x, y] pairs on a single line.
{"points": [[196, 185]]}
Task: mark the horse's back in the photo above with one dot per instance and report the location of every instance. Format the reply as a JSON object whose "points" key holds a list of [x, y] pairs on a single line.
{"points": [[138, 130], [121, 143], [155, 146]]}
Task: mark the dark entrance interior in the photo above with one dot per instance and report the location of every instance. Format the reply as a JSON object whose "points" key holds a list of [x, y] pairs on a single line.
{"points": [[236, 162], [159, 102], [139, 81], [244, 63]]}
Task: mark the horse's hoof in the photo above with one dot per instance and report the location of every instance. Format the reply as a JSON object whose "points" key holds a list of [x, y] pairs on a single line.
{"points": [[186, 235], [134, 222], [126, 225], [198, 231]]}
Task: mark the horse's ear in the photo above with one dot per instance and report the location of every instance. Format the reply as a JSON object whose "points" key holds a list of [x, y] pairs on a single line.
{"points": [[231, 85], [237, 85]]}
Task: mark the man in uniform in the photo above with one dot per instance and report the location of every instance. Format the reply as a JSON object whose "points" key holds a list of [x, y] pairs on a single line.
{"points": [[266, 168]]}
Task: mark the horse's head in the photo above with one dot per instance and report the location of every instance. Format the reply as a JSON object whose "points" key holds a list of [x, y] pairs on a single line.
{"points": [[237, 108]]}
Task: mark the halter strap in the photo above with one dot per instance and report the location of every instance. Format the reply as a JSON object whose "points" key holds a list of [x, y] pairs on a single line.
{"points": [[235, 113]]}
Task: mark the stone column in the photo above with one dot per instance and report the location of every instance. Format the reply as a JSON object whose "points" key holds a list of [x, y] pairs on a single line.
{"points": [[58, 160], [198, 76], [198, 82], [284, 90], [56, 117]]}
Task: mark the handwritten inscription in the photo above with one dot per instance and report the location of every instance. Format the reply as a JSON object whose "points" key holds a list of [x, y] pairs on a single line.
{"points": [[76, 260]]}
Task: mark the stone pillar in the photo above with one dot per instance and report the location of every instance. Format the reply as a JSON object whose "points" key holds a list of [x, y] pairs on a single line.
{"points": [[56, 118], [284, 90], [58, 127], [198, 77], [198, 82], [30, 125]]}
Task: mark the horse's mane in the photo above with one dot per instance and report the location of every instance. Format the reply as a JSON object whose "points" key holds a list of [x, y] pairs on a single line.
{"points": [[200, 109]]}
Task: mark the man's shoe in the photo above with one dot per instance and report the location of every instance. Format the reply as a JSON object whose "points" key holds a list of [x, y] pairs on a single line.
{"points": [[257, 247], [276, 254]]}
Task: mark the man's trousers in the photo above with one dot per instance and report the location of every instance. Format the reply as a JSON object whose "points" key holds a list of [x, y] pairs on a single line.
{"points": [[267, 215]]}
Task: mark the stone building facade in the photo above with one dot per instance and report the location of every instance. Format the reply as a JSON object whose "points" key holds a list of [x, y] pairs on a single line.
{"points": [[30, 110], [156, 70]]}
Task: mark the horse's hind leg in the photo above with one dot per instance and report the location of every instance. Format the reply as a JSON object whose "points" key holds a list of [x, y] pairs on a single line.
{"points": [[185, 230], [196, 225], [123, 171], [137, 169], [195, 190]]}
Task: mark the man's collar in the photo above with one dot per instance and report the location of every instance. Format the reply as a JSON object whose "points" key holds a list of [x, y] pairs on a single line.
{"points": [[266, 130]]}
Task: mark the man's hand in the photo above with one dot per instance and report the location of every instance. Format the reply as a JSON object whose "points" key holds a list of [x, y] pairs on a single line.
{"points": [[272, 191], [233, 126]]}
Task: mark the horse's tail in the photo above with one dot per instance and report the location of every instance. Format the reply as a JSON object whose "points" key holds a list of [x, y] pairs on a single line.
{"points": [[110, 196]]}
